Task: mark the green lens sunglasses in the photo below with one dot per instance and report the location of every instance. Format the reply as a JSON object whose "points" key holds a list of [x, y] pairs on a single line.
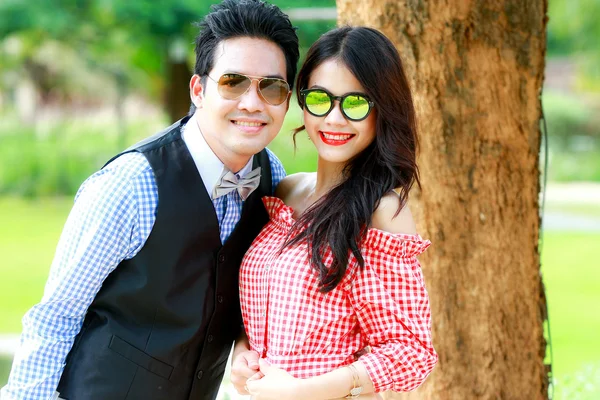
{"points": [[354, 106]]}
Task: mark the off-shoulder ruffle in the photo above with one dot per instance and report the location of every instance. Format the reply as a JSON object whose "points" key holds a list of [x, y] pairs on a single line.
{"points": [[280, 214], [395, 244]]}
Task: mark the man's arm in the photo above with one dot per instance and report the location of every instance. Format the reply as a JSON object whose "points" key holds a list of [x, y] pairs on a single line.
{"points": [[108, 223]]}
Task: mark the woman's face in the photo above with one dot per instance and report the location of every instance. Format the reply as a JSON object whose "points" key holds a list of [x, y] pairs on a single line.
{"points": [[337, 138]]}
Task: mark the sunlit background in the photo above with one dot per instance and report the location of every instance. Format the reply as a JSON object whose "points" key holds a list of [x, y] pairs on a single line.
{"points": [[82, 80]]}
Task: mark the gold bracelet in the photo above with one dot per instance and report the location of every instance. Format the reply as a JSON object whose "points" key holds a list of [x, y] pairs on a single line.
{"points": [[356, 386]]}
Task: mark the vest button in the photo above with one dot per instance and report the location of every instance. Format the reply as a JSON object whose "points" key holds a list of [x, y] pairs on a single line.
{"points": [[210, 338], [199, 375], [222, 258], [220, 298]]}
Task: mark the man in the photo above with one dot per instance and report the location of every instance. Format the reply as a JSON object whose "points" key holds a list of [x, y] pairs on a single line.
{"points": [[142, 299]]}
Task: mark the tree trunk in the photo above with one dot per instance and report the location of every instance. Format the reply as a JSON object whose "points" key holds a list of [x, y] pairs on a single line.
{"points": [[177, 94], [476, 69]]}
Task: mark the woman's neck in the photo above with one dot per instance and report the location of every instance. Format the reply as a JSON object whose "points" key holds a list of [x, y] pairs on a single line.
{"points": [[329, 175]]}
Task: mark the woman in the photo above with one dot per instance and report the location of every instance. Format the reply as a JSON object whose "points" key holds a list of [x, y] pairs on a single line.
{"points": [[332, 294]]}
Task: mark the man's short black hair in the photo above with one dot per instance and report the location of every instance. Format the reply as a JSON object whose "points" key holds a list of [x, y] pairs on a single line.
{"points": [[251, 18]]}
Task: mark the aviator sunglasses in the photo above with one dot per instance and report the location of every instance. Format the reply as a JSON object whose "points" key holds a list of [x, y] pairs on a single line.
{"points": [[272, 90], [354, 106]]}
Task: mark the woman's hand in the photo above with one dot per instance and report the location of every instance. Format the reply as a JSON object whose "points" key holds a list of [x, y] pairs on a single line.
{"points": [[273, 383]]}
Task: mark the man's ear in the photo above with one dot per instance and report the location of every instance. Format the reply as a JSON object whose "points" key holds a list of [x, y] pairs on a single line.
{"points": [[196, 90]]}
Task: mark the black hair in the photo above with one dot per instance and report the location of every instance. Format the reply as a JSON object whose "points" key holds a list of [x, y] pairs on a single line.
{"points": [[339, 219], [252, 18]]}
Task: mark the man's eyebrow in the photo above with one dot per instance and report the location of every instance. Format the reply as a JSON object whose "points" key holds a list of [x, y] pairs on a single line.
{"points": [[277, 76]]}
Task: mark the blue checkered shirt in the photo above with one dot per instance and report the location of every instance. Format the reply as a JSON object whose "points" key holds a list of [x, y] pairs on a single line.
{"points": [[111, 219]]}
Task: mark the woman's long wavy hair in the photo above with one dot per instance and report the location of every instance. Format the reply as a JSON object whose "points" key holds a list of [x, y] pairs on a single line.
{"points": [[339, 220]]}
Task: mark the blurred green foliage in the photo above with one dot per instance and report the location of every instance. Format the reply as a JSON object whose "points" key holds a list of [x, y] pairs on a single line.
{"points": [[573, 137], [573, 26], [574, 166], [129, 41], [573, 118], [56, 158], [91, 53], [573, 30], [570, 116]]}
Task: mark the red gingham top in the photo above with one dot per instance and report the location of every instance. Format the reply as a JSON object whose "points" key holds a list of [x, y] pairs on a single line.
{"points": [[384, 307]]}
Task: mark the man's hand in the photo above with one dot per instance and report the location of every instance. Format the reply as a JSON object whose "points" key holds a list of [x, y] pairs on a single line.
{"points": [[243, 366]]}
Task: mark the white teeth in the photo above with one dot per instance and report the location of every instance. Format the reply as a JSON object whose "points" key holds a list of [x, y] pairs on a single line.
{"points": [[336, 137], [244, 123]]}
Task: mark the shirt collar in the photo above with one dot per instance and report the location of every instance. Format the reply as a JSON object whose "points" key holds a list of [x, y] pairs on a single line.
{"points": [[209, 166]]}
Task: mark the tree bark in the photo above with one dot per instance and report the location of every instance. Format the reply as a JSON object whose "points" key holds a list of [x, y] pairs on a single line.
{"points": [[476, 69], [177, 94]]}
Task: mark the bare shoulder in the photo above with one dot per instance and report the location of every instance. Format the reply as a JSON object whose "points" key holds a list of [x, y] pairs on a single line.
{"points": [[288, 184], [384, 219], [292, 185]]}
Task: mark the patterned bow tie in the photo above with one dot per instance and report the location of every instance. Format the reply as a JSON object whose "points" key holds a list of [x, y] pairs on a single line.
{"points": [[229, 182]]}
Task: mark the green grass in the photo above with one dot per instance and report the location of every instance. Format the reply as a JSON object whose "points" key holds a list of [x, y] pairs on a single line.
{"points": [[28, 235], [572, 279], [30, 230], [582, 385]]}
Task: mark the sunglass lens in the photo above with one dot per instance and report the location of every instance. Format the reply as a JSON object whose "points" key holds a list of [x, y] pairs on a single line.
{"points": [[356, 107], [232, 86], [274, 91], [317, 102]]}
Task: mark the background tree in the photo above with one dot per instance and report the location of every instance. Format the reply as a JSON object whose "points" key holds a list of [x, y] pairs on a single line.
{"points": [[120, 39], [574, 31], [143, 46], [477, 72]]}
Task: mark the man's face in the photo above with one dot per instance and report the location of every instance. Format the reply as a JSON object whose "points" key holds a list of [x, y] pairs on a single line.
{"points": [[237, 129]]}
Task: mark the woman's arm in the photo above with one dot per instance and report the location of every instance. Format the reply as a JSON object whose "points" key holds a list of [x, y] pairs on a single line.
{"points": [[276, 384], [392, 304], [337, 383]]}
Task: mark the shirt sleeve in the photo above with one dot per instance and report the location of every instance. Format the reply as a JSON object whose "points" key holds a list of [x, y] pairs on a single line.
{"points": [[110, 220], [392, 306], [277, 170]]}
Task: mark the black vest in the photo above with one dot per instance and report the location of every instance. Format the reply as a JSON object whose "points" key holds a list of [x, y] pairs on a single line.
{"points": [[162, 325]]}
